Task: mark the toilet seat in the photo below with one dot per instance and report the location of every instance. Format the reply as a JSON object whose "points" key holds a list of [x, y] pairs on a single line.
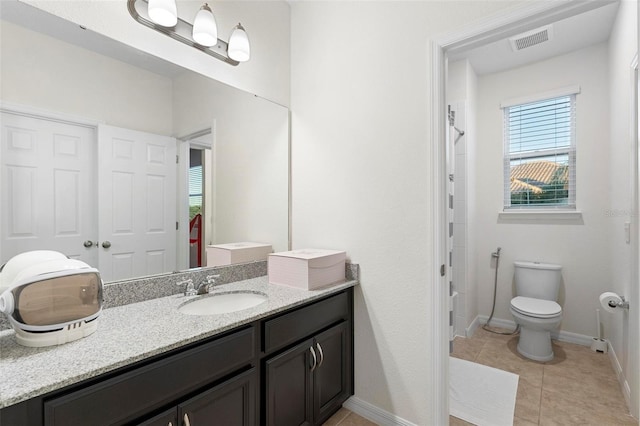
{"points": [[538, 308]]}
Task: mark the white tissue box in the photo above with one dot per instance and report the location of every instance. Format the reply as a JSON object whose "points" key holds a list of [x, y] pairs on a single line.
{"points": [[228, 254], [307, 269]]}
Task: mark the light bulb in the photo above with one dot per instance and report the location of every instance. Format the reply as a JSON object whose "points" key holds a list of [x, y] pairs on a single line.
{"points": [[239, 48], [205, 30], [163, 12]]}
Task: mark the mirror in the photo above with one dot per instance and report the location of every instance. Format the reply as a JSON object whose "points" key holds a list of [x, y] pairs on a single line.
{"points": [[233, 151]]}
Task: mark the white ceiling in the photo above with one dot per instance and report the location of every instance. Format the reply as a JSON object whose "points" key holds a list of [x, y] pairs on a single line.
{"points": [[569, 34]]}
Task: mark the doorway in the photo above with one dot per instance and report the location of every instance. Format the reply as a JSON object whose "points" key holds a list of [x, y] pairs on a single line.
{"points": [[115, 214], [511, 23], [195, 204]]}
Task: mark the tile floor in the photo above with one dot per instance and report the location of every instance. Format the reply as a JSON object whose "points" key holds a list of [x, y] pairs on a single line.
{"points": [[578, 387]]}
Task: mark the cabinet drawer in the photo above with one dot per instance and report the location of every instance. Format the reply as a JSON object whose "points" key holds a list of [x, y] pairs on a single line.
{"points": [[130, 395], [303, 322]]}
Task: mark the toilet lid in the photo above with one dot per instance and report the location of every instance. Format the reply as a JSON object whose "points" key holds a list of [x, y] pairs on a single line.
{"points": [[536, 307]]}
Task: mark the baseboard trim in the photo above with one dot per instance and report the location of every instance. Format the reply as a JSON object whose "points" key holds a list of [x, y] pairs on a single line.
{"points": [[624, 385], [472, 327], [496, 322], [566, 336], [563, 336], [374, 414]]}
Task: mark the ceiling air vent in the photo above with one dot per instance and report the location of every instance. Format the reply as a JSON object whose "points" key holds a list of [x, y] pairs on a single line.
{"points": [[531, 38]]}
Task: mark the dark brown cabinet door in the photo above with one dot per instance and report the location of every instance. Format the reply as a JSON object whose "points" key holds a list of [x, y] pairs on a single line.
{"points": [[331, 376], [232, 403], [309, 382], [288, 386]]}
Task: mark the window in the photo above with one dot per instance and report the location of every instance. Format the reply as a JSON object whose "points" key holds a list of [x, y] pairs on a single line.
{"points": [[195, 190], [540, 154]]}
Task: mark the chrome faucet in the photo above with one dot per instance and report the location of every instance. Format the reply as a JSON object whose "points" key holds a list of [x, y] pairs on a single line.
{"points": [[189, 289], [205, 287]]}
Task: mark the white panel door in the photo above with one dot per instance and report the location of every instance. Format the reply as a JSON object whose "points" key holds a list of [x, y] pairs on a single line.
{"points": [[46, 188], [136, 203]]}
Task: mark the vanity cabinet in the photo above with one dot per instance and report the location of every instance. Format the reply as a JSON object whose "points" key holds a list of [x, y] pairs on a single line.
{"points": [[291, 368], [309, 372], [307, 383]]}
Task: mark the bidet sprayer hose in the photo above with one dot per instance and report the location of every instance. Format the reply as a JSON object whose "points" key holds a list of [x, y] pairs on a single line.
{"points": [[496, 255]]}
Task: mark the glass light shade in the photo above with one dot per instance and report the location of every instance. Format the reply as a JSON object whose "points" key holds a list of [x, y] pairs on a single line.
{"points": [[239, 48], [205, 30], [163, 12]]}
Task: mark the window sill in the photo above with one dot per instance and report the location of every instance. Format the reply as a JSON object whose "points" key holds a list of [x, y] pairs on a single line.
{"points": [[549, 216]]}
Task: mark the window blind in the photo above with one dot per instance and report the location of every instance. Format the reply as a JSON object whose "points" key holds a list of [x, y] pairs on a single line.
{"points": [[195, 186], [539, 161]]}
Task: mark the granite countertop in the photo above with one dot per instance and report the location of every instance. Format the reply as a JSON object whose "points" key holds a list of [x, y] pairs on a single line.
{"points": [[131, 333]]}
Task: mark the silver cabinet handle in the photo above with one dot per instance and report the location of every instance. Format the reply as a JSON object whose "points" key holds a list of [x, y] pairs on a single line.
{"points": [[315, 360], [186, 420], [106, 244], [88, 243], [321, 354]]}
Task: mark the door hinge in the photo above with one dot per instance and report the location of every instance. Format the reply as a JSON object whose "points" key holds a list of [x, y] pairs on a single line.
{"points": [[177, 159], [442, 270], [177, 225]]}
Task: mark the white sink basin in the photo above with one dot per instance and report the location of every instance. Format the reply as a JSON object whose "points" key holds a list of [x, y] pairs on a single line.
{"points": [[222, 303]]}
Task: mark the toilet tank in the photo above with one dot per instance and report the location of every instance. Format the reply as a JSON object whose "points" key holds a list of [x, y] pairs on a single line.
{"points": [[538, 280]]}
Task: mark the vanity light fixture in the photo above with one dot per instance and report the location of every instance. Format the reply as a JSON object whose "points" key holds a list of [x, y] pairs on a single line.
{"points": [[239, 48], [163, 12], [205, 29], [202, 35]]}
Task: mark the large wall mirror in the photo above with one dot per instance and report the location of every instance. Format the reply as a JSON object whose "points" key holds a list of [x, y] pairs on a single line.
{"points": [[126, 161]]}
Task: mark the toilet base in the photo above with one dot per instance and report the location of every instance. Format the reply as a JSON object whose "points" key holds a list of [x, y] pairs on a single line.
{"points": [[535, 344]]}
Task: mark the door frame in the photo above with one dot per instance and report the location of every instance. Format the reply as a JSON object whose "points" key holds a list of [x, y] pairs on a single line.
{"points": [[185, 143], [499, 26], [634, 296], [44, 114]]}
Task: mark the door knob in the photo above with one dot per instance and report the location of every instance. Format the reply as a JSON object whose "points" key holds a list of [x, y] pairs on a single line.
{"points": [[106, 244], [88, 243]]}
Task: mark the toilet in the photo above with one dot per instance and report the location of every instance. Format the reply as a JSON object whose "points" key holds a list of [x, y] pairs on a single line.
{"points": [[535, 308]]}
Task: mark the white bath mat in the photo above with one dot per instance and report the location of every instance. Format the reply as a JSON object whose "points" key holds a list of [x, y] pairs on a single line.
{"points": [[481, 395]]}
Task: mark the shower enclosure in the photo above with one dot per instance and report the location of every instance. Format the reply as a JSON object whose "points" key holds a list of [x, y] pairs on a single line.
{"points": [[462, 295]]}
